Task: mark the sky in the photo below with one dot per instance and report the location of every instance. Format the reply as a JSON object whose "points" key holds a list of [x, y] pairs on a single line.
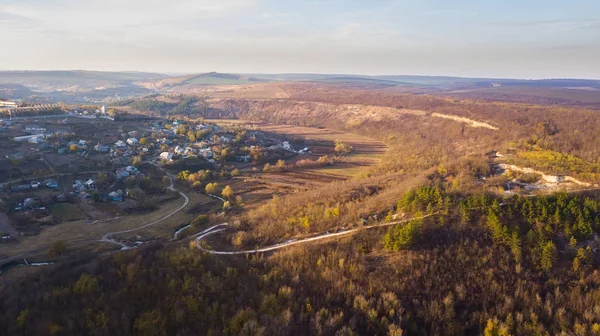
{"points": [[473, 38]]}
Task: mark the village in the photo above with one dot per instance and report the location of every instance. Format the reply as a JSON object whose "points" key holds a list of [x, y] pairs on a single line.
{"points": [[85, 167]]}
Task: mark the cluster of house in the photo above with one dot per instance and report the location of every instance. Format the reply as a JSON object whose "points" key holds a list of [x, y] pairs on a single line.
{"points": [[83, 190], [126, 172], [50, 183]]}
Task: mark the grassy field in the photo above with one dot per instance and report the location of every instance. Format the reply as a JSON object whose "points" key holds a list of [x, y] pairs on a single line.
{"points": [[343, 170], [66, 211]]}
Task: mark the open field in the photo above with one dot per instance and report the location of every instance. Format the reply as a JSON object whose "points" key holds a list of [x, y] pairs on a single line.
{"points": [[166, 229], [366, 152], [66, 212]]}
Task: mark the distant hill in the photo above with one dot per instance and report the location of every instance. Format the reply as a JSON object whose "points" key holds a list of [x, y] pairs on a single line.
{"points": [[210, 78], [73, 86], [14, 91], [74, 77]]}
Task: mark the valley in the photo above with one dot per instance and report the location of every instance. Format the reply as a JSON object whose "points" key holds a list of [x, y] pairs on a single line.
{"points": [[233, 198]]}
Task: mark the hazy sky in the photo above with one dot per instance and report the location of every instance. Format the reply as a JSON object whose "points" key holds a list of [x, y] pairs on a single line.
{"points": [[496, 38]]}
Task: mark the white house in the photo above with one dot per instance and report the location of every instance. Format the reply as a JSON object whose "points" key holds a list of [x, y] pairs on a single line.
{"points": [[36, 139], [120, 144], [133, 141], [179, 149], [90, 184], [166, 156]]}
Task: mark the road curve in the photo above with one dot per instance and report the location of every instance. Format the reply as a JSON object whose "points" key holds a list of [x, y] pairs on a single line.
{"points": [[107, 237], [222, 227]]}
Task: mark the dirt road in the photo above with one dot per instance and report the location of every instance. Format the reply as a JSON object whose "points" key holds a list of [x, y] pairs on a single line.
{"points": [[222, 227], [107, 237]]}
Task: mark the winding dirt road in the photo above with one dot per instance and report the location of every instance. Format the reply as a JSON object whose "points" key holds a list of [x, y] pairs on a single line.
{"points": [[223, 227], [107, 237]]}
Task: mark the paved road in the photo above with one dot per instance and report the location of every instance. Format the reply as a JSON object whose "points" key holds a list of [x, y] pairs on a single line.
{"points": [[223, 227]]}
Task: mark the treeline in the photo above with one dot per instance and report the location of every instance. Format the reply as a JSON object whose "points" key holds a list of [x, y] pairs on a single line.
{"points": [[186, 106], [532, 229]]}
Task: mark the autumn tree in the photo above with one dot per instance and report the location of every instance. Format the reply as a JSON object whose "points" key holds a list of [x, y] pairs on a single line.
{"points": [[192, 136], [256, 153], [211, 188], [143, 141], [280, 165], [583, 260], [342, 148], [227, 193], [73, 148], [549, 255]]}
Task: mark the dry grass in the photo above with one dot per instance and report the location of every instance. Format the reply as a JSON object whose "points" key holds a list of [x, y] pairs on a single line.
{"points": [[66, 211]]}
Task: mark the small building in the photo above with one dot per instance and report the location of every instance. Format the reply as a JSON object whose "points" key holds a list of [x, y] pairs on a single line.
{"points": [[82, 144], [286, 145], [90, 184], [8, 104], [115, 197], [102, 148], [166, 156], [179, 149], [36, 139], [127, 171], [120, 144], [133, 142], [244, 158], [53, 184], [24, 138], [78, 185], [122, 173]]}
